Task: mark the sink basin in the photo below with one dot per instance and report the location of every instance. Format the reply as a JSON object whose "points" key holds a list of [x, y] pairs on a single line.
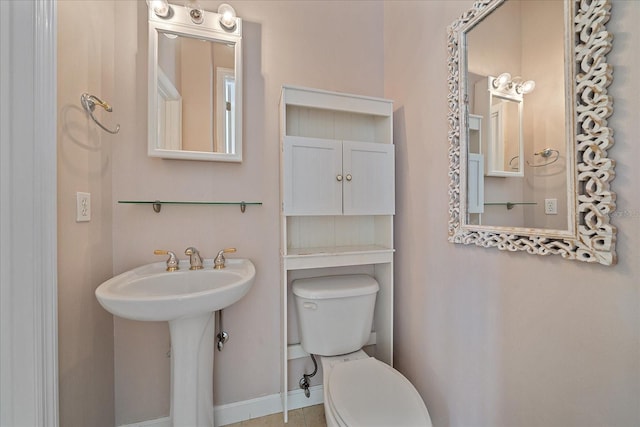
{"points": [[186, 299], [151, 293]]}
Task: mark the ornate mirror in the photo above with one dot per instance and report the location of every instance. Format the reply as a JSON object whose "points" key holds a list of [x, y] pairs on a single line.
{"points": [[528, 135], [195, 86]]}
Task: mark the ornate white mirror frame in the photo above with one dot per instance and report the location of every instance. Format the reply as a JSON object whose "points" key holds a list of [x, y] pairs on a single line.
{"points": [[591, 237]]}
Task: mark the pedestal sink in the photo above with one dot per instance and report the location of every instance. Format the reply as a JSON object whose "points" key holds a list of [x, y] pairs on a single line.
{"points": [[187, 299]]}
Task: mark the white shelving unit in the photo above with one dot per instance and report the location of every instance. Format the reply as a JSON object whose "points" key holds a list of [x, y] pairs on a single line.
{"points": [[337, 188], [475, 174]]}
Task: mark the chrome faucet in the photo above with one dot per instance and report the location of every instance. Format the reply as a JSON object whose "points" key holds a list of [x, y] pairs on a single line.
{"points": [[172, 261], [194, 258], [218, 263]]}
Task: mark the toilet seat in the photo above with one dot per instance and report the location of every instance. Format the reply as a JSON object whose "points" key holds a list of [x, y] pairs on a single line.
{"points": [[367, 392]]}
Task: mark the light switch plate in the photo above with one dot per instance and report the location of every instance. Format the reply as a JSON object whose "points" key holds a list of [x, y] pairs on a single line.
{"points": [[83, 207]]}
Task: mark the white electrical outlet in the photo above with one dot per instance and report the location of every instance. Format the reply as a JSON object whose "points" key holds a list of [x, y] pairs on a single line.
{"points": [[83, 207], [551, 206]]}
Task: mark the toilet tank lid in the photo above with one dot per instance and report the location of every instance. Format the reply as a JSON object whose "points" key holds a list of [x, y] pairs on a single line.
{"points": [[343, 286]]}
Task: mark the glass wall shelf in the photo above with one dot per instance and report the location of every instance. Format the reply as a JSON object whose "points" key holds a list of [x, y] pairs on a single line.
{"points": [[157, 204]]}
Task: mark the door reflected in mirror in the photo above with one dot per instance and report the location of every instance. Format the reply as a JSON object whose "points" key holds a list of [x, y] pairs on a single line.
{"points": [[505, 126]]}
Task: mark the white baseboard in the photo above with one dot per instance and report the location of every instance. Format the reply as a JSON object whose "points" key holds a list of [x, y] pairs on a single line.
{"points": [[160, 422], [297, 399], [248, 409], [267, 405]]}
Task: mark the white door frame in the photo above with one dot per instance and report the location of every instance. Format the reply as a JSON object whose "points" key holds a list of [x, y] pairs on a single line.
{"points": [[28, 246]]}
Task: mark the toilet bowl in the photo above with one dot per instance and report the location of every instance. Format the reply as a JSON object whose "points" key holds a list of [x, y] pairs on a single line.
{"points": [[362, 391], [335, 316]]}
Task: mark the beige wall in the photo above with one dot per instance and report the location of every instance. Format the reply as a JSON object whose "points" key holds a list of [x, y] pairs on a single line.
{"points": [[85, 330], [492, 338], [299, 43]]}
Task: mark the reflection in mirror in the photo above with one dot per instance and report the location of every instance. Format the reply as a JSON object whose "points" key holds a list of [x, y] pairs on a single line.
{"points": [[505, 126], [196, 87], [500, 105], [529, 168], [514, 129], [195, 77]]}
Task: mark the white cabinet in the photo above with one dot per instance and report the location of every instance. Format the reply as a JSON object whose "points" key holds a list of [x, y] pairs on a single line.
{"points": [[332, 177], [337, 187], [311, 167], [475, 171]]}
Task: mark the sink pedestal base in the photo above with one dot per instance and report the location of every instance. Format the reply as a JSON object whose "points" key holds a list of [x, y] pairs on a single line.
{"points": [[192, 345]]}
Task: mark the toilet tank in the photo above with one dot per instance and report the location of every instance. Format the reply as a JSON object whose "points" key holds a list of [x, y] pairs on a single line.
{"points": [[335, 312]]}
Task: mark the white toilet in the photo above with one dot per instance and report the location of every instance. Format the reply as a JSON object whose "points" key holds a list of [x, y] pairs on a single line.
{"points": [[335, 314]]}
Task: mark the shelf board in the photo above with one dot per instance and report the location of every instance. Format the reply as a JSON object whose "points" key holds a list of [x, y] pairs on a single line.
{"points": [[337, 250], [300, 258]]}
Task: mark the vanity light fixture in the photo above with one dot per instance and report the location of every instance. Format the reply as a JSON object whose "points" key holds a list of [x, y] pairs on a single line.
{"points": [[195, 11], [502, 80], [160, 7], [227, 17]]}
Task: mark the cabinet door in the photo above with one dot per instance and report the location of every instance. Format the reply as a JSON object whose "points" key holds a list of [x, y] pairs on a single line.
{"points": [[312, 175], [369, 178]]}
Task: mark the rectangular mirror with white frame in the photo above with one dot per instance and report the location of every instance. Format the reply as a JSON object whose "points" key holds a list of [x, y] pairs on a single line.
{"points": [[528, 132], [195, 85]]}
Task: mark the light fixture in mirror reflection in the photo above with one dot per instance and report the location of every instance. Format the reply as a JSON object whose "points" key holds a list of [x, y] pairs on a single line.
{"points": [[195, 86], [511, 161], [159, 7]]}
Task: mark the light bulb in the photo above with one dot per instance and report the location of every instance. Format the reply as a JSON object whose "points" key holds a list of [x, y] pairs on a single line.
{"points": [[527, 86], [228, 16], [501, 80], [159, 7], [195, 11]]}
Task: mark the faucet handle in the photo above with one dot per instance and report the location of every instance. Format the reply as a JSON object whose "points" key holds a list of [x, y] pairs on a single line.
{"points": [[194, 258], [218, 263], [172, 261]]}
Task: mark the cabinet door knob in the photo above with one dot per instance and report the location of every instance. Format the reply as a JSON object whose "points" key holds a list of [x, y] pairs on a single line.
{"points": [[349, 177], [339, 177]]}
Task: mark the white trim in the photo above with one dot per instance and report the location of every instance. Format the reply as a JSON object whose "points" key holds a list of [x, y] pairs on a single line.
{"points": [[267, 405], [219, 143], [298, 400], [248, 409], [160, 422], [28, 271], [169, 113]]}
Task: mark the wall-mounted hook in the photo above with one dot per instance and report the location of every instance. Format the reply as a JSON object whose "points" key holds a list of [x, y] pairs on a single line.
{"points": [[89, 103]]}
